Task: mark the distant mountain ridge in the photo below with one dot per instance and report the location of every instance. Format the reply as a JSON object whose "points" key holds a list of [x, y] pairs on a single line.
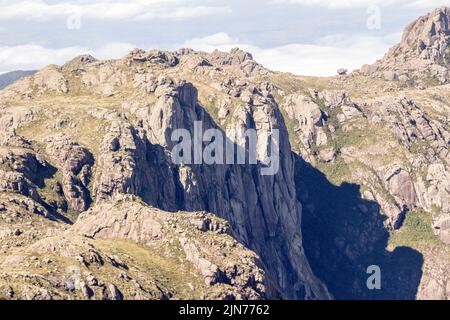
{"points": [[10, 77]]}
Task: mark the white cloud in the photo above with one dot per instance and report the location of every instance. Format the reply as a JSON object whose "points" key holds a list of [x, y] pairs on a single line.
{"points": [[221, 41], [40, 10], [112, 50], [322, 58], [428, 4], [348, 4], [32, 56], [333, 4]]}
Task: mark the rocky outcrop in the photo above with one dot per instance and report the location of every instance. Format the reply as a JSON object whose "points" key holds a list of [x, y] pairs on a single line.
{"points": [[93, 142], [217, 257], [51, 78], [20, 171], [127, 250], [152, 57], [75, 164], [399, 183], [328, 125], [257, 215], [16, 117], [79, 63], [422, 54], [103, 78], [129, 164], [309, 120]]}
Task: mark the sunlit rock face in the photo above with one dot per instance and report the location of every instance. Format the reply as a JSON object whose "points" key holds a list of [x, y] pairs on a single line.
{"points": [[90, 184]]}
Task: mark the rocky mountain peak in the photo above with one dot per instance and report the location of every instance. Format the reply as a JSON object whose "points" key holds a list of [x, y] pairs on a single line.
{"points": [[234, 57], [423, 53], [427, 33], [79, 62]]}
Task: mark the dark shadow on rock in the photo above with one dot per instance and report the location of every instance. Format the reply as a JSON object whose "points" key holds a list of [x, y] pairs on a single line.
{"points": [[235, 192], [44, 172], [343, 235]]}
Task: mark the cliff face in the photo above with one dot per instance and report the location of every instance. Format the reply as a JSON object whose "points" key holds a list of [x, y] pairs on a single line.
{"points": [[104, 130], [373, 177], [259, 208], [91, 182]]}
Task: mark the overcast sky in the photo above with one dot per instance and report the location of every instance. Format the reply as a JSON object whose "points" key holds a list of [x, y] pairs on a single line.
{"points": [[308, 37]]}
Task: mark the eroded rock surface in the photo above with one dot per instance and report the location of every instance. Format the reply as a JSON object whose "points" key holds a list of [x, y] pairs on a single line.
{"points": [[423, 53], [362, 177]]}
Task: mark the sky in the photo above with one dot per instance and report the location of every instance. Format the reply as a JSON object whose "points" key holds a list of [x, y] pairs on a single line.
{"points": [[306, 37]]}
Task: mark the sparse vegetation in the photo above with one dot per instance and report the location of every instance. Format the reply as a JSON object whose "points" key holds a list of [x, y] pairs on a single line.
{"points": [[416, 232]]}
